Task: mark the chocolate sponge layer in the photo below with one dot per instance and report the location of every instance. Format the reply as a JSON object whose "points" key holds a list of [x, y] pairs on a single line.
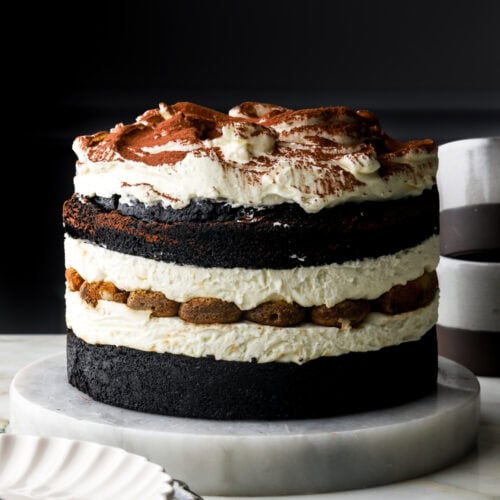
{"points": [[212, 234], [183, 386]]}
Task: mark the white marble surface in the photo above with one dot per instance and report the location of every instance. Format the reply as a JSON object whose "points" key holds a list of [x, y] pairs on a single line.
{"points": [[475, 476], [263, 458]]}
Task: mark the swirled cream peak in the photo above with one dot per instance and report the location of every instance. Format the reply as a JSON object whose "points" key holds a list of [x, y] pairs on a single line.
{"points": [[258, 154], [240, 142]]}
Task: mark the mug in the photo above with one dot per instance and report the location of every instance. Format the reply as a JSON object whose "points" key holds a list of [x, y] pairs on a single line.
{"points": [[468, 181]]}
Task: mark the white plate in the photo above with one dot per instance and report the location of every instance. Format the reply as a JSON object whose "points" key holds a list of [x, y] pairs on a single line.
{"points": [[55, 468]]}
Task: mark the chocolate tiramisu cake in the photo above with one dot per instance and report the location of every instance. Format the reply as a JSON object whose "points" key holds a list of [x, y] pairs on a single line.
{"points": [[262, 264]]}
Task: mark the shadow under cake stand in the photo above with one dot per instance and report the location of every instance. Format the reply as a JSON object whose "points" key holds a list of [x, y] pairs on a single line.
{"points": [[250, 458]]}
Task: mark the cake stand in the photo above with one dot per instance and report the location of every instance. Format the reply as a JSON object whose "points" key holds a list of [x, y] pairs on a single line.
{"points": [[253, 458]]}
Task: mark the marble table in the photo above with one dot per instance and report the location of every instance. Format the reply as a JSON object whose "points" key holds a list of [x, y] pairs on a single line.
{"points": [[475, 476]]}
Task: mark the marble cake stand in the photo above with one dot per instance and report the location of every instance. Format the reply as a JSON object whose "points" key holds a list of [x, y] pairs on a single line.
{"points": [[263, 458]]}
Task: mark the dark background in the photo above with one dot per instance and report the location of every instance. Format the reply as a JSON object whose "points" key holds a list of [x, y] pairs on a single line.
{"points": [[428, 69]]}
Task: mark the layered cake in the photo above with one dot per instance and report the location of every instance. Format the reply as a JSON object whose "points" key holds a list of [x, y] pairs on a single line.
{"points": [[263, 264]]}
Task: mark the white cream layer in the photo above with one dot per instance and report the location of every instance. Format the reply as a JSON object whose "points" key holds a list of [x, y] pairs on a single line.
{"points": [[116, 324], [202, 175], [308, 286]]}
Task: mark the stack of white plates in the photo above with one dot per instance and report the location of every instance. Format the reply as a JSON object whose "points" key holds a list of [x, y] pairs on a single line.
{"points": [[55, 468]]}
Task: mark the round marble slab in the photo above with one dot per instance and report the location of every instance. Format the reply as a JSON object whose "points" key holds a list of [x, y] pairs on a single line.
{"points": [[263, 458]]}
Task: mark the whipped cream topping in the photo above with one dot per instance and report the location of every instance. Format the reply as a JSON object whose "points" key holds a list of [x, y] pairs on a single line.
{"points": [[258, 154], [116, 324], [247, 288]]}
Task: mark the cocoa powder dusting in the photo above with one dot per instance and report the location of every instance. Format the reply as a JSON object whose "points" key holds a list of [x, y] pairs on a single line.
{"points": [[313, 138]]}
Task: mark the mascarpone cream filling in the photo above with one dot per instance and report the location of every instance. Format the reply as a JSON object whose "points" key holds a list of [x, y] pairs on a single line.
{"points": [[307, 286], [116, 324], [202, 175]]}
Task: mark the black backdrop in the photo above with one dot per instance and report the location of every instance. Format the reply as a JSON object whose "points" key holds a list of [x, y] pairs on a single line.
{"points": [[427, 68]]}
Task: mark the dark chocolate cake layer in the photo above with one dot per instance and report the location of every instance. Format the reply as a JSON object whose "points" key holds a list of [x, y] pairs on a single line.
{"points": [[216, 211], [183, 386], [212, 234]]}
